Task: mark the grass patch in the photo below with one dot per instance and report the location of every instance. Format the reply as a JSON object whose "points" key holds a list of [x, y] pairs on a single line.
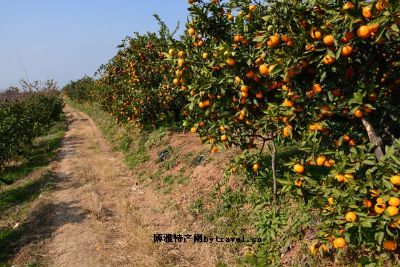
{"points": [[20, 200], [26, 192]]}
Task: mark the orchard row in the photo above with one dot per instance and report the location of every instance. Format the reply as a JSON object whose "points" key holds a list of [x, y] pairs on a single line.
{"points": [[319, 75], [23, 116]]}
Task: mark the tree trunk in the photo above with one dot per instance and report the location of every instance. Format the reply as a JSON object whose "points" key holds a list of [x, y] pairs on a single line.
{"points": [[273, 155], [374, 138]]}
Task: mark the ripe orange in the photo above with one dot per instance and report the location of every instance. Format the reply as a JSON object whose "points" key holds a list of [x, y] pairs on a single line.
{"points": [[288, 103], [238, 80], [324, 248], [181, 54], [340, 178], [230, 17], [368, 109], [315, 34], [330, 200], [366, 11], [263, 69], [358, 113], [201, 105], [193, 129], [380, 5], [287, 131], [346, 138], [231, 61], [273, 41], [250, 74], [367, 203], [191, 31], [181, 62], [395, 179], [328, 60], [394, 201], [373, 28], [328, 164], [317, 88], [222, 128], [348, 5], [380, 208], [244, 89], [224, 137], [347, 37], [339, 242], [289, 42], [329, 40], [350, 216], [298, 168], [315, 126], [352, 143], [256, 166], [252, 7], [364, 32], [237, 38], [347, 50], [310, 47], [259, 95], [392, 211], [320, 160], [298, 182], [390, 245], [171, 52], [214, 150], [313, 250]]}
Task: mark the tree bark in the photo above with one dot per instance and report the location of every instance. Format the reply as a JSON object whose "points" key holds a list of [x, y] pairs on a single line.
{"points": [[273, 155], [374, 138]]}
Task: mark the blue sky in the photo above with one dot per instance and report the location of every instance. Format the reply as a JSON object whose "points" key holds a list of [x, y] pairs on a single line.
{"points": [[66, 39]]}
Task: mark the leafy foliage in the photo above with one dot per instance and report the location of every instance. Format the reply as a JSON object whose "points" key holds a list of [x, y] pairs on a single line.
{"points": [[24, 115]]}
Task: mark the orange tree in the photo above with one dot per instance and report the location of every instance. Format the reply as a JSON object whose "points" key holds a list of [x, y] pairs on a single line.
{"points": [[323, 74], [233, 98], [134, 85], [83, 89]]}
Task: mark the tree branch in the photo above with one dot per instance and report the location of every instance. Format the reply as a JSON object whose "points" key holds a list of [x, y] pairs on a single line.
{"points": [[374, 138]]}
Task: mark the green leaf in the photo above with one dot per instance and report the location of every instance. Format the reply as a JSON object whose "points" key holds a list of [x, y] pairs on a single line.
{"points": [[258, 39], [394, 27], [366, 224], [379, 237]]}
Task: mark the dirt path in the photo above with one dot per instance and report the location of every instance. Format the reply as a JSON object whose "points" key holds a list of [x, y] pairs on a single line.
{"points": [[85, 217], [101, 215]]}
